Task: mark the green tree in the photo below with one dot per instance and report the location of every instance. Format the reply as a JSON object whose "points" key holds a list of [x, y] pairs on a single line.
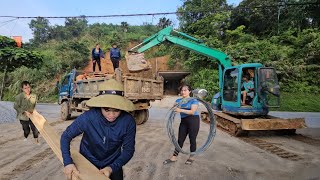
{"points": [[194, 10], [40, 30], [164, 22], [75, 26], [57, 32], [12, 57], [124, 26], [275, 16]]}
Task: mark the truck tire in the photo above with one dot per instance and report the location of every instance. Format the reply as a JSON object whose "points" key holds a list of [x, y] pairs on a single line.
{"points": [[65, 111], [147, 116], [141, 116]]}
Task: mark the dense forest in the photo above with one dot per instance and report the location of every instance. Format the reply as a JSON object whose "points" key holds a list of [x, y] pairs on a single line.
{"points": [[280, 33]]}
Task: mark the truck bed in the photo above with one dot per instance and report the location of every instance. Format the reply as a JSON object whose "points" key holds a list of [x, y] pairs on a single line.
{"points": [[135, 88]]}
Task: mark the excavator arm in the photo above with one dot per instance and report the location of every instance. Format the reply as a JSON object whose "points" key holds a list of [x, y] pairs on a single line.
{"points": [[191, 43]]}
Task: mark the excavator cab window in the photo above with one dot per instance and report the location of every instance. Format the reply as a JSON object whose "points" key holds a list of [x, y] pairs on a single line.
{"points": [[230, 86], [269, 89]]}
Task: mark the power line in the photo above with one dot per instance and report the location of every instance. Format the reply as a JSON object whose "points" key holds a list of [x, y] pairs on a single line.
{"points": [[161, 13], [7, 22], [3, 22], [83, 16]]}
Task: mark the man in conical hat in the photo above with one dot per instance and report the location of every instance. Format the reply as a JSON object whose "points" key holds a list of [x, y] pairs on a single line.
{"points": [[108, 130]]}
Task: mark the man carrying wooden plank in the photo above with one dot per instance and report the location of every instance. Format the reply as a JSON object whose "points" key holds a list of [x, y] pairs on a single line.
{"points": [[26, 101], [108, 130]]}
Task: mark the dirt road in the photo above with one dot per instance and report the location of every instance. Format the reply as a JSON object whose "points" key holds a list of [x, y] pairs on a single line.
{"points": [[255, 157]]}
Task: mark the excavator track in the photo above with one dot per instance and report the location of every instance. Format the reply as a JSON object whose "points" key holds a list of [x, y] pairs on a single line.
{"points": [[262, 144], [228, 124], [233, 127], [306, 140], [271, 148], [268, 146]]}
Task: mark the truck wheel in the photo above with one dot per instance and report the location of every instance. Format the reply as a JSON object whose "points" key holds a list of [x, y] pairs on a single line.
{"points": [[147, 116], [141, 116], [65, 112]]}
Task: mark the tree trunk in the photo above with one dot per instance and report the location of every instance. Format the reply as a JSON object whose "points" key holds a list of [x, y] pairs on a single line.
{"points": [[2, 85]]}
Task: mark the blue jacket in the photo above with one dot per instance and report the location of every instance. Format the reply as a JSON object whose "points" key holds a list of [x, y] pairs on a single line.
{"points": [[103, 143], [93, 54], [115, 53]]}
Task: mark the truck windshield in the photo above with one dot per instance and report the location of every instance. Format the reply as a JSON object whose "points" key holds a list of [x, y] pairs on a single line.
{"points": [[230, 87], [65, 81]]}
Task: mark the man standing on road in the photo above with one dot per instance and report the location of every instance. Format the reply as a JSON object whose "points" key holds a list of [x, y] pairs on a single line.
{"points": [[26, 101], [115, 56], [96, 55], [109, 131]]}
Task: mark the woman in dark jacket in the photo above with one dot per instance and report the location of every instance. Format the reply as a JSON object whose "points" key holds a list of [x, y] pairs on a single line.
{"points": [[108, 140], [96, 55]]}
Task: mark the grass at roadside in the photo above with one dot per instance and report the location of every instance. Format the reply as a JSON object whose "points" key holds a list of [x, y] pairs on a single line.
{"points": [[299, 102]]}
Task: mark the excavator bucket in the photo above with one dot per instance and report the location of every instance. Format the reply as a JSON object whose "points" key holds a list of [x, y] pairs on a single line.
{"points": [[136, 62]]}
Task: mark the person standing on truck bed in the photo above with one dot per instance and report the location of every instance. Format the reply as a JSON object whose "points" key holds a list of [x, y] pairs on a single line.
{"points": [[109, 131], [115, 56], [26, 101], [96, 55]]}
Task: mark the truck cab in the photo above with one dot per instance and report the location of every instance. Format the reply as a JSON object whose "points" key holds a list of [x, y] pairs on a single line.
{"points": [[66, 87]]}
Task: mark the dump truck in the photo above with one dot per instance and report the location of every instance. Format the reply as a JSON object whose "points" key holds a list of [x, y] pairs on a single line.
{"points": [[236, 117], [73, 94]]}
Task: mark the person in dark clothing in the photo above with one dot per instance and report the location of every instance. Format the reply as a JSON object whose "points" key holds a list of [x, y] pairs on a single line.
{"points": [[109, 131], [96, 55], [26, 102], [115, 56], [189, 125]]}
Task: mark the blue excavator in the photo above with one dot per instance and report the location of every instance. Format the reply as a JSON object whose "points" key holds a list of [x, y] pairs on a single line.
{"points": [[235, 114]]}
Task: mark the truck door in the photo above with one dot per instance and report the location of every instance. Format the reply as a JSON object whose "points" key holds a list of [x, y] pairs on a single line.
{"points": [[268, 87], [64, 88]]}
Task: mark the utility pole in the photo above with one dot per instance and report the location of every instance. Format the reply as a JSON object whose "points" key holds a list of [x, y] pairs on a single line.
{"points": [[281, 5], [3, 82]]}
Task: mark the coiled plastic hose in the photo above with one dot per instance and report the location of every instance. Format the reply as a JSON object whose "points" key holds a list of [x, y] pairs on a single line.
{"points": [[211, 135]]}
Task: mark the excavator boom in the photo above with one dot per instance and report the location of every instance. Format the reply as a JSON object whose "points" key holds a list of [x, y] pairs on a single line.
{"points": [[190, 43]]}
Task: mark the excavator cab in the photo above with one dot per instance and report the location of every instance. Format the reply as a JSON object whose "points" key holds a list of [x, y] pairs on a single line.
{"points": [[239, 100]]}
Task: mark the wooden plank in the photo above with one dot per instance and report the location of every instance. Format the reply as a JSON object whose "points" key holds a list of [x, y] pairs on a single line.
{"points": [[87, 170], [272, 124]]}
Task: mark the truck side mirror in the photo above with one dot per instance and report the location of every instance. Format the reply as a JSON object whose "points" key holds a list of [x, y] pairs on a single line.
{"points": [[58, 85]]}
